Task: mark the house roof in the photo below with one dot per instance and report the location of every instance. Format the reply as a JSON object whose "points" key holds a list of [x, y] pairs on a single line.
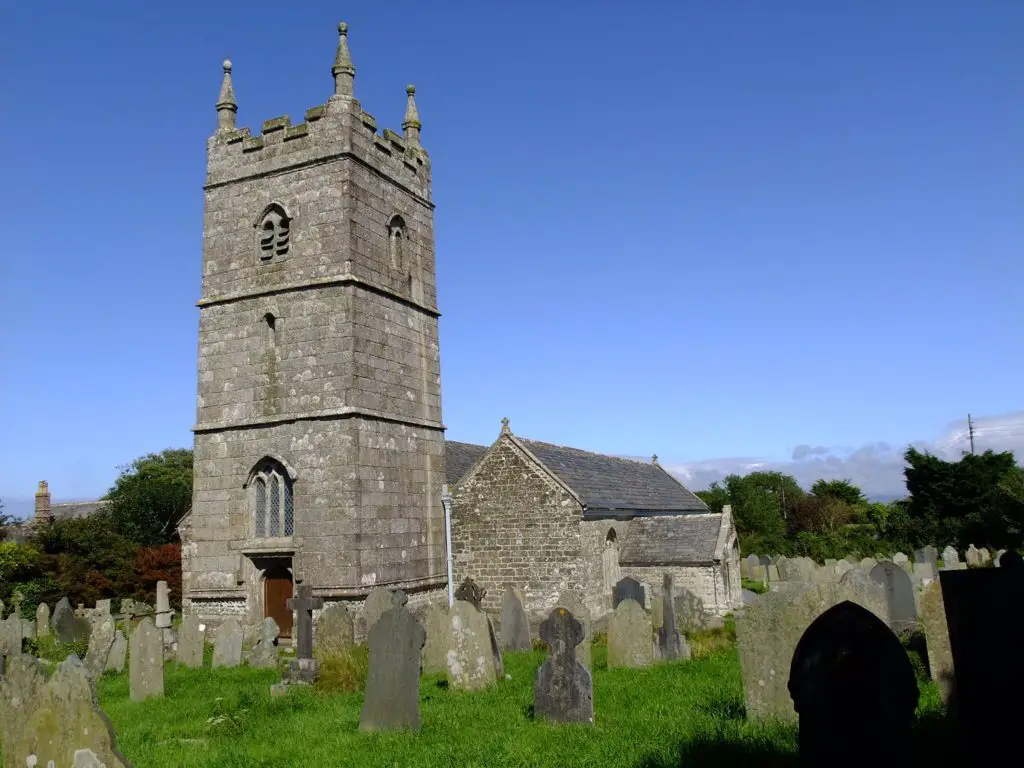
{"points": [[75, 509], [459, 458], [677, 540]]}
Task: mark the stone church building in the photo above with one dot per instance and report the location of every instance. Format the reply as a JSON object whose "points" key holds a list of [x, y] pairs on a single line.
{"points": [[319, 446]]}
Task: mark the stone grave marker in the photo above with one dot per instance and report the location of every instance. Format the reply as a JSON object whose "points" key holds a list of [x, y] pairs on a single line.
{"points": [[950, 557], [1, 609], [973, 557], [470, 658], [563, 690], [10, 636], [899, 595], [996, 556], [629, 588], [689, 611], [630, 636], [765, 560], [903, 562], [335, 630], [670, 644], [940, 658], [100, 641], [867, 564], [191, 639], [748, 565], [146, 662], [164, 614], [435, 649], [573, 602], [379, 600], [853, 689], [304, 668], [227, 644], [852, 560], [67, 627], [392, 697], [1011, 559], [843, 566], [986, 556], [471, 592], [499, 662], [118, 653], [264, 655], [515, 624], [102, 608], [42, 620], [28, 629], [930, 556]]}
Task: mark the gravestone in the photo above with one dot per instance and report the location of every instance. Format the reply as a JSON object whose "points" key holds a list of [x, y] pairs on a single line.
{"points": [[996, 556], [164, 614], [903, 562], [973, 557], [304, 668], [573, 602], [629, 588], [264, 655], [56, 722], [335, 630], [768, 632], [227, 644], [899, 595], [853, 689], [118, 653], [470, 658], [852, 559], [102, 608], [10, 636], [950, 557], [42, 620], [630, 636], [797, 569], [28, 629], [191, 639], [67, 627], [749, 596], [867, 564], [670, 644], [515, 624], [146, 662], [986, 556], [471, 592], [100, 641], [940, 658], [392, 697], [765, 560], [1011, 559], [843, 566], [435, 649], [563, 689], [1, 609], [689, 611], [930, 556], [380, 600], [749, 564]]}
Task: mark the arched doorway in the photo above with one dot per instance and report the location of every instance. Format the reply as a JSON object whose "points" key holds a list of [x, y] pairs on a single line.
{"points": [[277, 590]]}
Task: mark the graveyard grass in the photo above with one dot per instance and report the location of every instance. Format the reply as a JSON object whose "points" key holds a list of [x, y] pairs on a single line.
{"points": [[687, 713]]}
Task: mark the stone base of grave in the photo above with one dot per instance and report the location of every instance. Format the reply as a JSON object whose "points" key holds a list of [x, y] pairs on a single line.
{"points": [[302, 671]]}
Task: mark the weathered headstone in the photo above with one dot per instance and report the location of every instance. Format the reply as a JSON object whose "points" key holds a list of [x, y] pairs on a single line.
{"points": [[470, 656], [986, 556], [930, 556], [563, 690], [843, 566], [102, 608], [765, 560], [903, 562], [629, 588], [146, 662], [515, 624], [304, 668], [379, 601], [996, 556], [10, 636], [797, 569], [118, 653], [973, 557], [899, 595], [689, 611], [573, 602], [670, 643], [100, 641], [28, 629], [191, 639], [748, 565], [392, 697], [854, 690], [940, 658], [264, 655], [950, 557], [435, 649], [227, 644], [67, 627], [335, 630], [867, 564], [42, 620], [630, 636], [56, 722], [471, 592], [164, 614]]}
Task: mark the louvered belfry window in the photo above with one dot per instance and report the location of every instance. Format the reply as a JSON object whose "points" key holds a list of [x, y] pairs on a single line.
{"points": [[274, 514]]}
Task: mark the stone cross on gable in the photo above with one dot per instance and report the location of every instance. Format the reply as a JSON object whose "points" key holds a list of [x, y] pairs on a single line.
{"points": [[304, 604]]}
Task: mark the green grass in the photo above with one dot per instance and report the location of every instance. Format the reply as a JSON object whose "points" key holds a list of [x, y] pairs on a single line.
{"points": [[688, 713]]}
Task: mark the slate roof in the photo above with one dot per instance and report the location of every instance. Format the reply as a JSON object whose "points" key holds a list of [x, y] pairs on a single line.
{"points": [[683, 540], [608, 483], [459, 458], [70, 509]]}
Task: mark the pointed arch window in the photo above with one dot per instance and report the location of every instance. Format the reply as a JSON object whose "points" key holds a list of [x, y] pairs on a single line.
{"points": [[273, 505], [397, 242]]}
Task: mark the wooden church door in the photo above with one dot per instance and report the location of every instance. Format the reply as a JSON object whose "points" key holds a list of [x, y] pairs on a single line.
{"points": [[277, 590]]}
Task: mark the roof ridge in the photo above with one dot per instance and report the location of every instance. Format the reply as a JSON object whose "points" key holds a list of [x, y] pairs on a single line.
{"points": [[584, 450]]}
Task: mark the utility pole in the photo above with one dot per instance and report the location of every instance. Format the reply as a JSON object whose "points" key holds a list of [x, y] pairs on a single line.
{"points": [[970, 431]]}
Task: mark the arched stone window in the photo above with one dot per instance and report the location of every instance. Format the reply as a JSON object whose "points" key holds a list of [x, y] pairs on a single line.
{"points": [[397, 242], [611, 538], [274, 230], [273, 508]]}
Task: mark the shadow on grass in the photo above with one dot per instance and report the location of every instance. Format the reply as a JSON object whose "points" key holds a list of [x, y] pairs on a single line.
{"points": [[708, 752]]}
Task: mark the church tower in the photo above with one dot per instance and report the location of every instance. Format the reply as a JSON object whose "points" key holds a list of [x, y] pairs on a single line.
{"points": [[318, 440]]}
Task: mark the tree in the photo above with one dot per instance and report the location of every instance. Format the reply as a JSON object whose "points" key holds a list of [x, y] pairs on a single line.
{"points": [[151, 495], [761, 505], [840, 490], [5, 521]]}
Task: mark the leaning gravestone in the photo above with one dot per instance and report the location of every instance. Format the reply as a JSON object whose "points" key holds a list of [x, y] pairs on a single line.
{"points": [[515, 624], [56, 722], [100, 641], [573, 602], [264, 655], [471, 592], [940, 658], [118, 653], [227, 644], [670, 643], [42, 620], [563, 690], [146, 662], [470, 656], [899, 595], [629, 588], [380, 600], [392, 697], [854, 690], [499, 663], [190, 642], [630, 636], [435, 649], [335, 630]]}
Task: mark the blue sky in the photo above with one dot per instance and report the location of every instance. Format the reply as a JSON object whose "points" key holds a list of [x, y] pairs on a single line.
{"points": [[701, 230]]}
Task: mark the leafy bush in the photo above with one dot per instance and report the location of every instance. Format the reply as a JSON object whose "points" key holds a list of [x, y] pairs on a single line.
{"points": [[758, 587], [153, 564], [344, 670], [50, 648]]}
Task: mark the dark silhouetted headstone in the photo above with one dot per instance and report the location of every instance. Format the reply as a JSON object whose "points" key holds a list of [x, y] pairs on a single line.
{"points": [[854, 690], [1011, 559], [471, 592], [670, 644], [392, 698], [629, 588], [563, 690], [515, 624], [899, 595]]}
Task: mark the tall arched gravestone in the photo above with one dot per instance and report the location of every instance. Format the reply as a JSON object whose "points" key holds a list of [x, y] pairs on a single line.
{"points": [[899, 595], [628, 588]]}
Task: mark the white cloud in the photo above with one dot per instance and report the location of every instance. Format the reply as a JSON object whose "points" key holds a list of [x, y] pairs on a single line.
{"points": [[877, 467]]}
